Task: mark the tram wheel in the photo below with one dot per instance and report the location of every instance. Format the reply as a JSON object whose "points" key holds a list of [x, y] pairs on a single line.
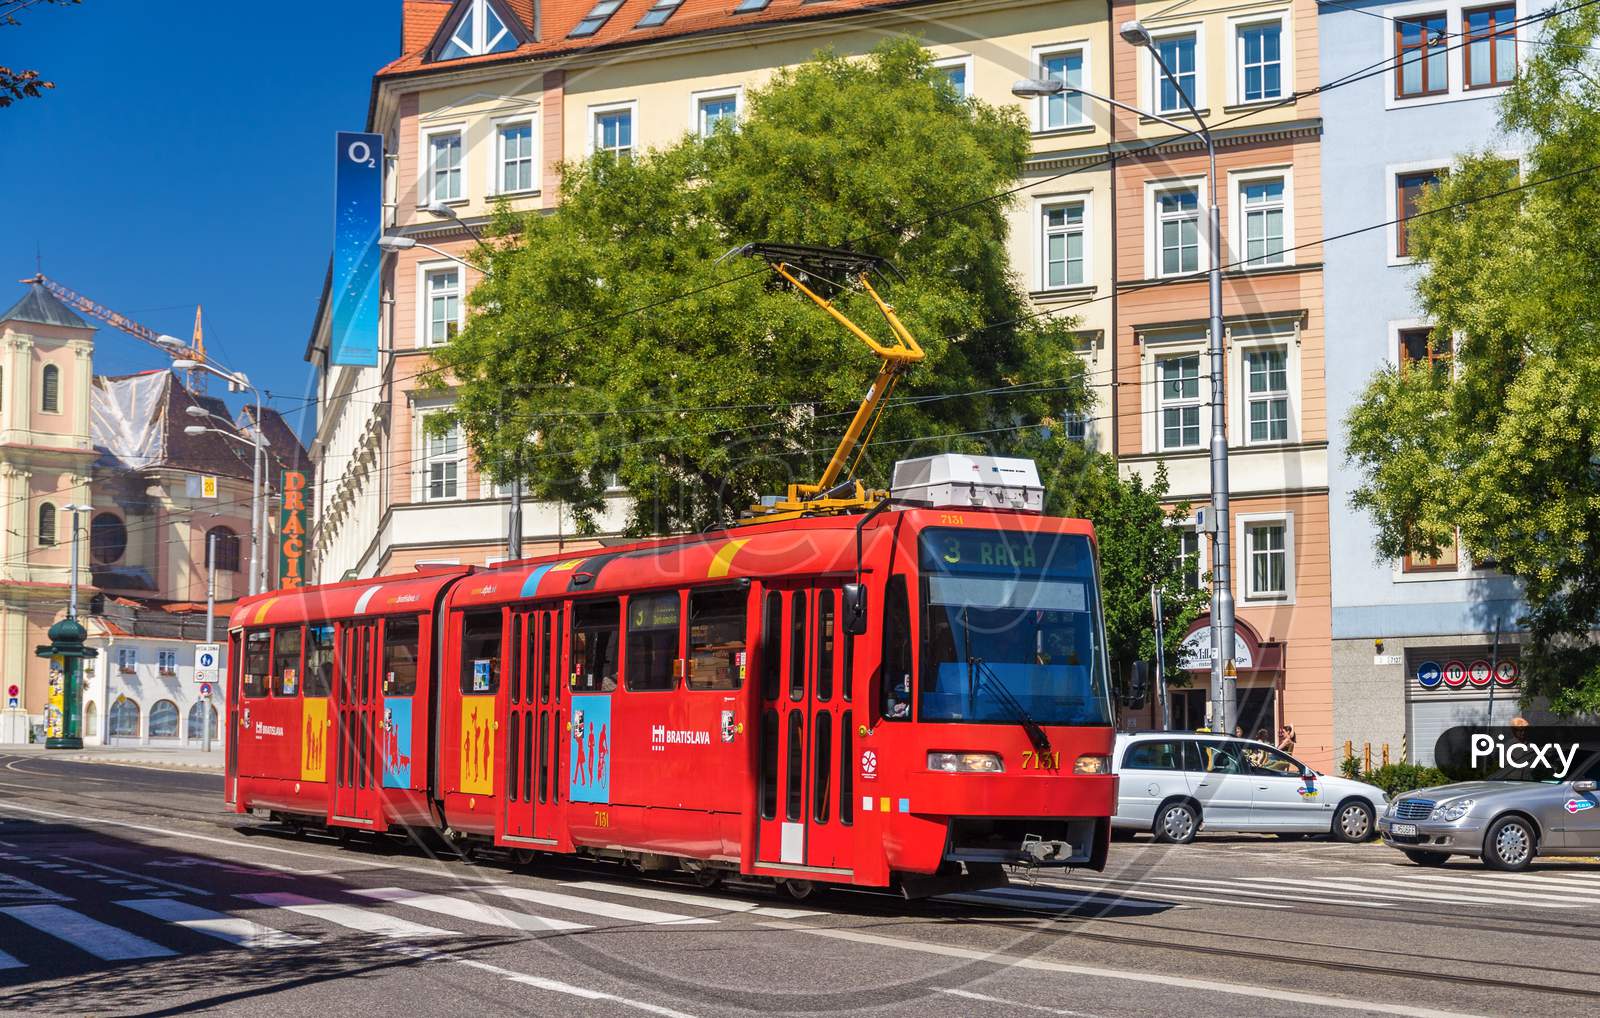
{"points": [[708, 878], [345, 835], [799, 890], [522, 857]]}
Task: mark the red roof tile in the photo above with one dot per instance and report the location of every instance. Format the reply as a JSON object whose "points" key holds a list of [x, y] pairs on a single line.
{"points": [[419, 20], [559, 17]]}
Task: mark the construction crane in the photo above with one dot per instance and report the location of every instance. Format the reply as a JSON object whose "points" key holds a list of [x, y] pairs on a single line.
{"points": [[170, 345], [808, 270]]}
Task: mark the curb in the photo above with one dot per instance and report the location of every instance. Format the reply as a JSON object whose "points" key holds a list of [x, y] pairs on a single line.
{"points": [[204, 767]]}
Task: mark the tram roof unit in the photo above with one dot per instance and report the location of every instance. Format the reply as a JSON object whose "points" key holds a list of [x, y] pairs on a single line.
{"points": [[403, 594]]}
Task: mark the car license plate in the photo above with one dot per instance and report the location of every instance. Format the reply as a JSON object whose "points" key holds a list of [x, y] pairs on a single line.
{"points": [[1404, 829]]}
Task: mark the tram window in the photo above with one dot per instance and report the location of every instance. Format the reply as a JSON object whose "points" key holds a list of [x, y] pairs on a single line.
{"points": [[480, 653], [286, 662], [594, 646], [797, 764], [896, 652], [847, 667], [847, 792], [519, 632], [400, 656], [547, 638], [797, 645], [821, 767], [716, 639], [825, 638], [318, 679], [769, 765], [771, 642], [652, 643], [257, 662]]}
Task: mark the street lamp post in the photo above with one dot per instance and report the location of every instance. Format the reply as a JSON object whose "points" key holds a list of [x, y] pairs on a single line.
{"points": [[237, 381], [67, 653], [1224, 700]]}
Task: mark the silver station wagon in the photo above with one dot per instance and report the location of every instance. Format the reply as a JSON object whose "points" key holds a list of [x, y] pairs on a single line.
{"points": [[1505, 823], [1174, 783]]}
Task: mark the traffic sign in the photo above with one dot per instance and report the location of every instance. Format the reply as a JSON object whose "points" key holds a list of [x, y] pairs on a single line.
{"points": [[1480, 673], [1455, 674], [207, 661], [205, 690], [1429, 674], [1507, 673]]}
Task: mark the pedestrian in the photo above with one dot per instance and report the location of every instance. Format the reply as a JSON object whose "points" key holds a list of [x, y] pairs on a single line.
{"points": [[1238, 731], [1286, 739]]}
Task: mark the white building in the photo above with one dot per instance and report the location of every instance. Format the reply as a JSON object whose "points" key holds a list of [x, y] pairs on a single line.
{"points": [[140, 689]]}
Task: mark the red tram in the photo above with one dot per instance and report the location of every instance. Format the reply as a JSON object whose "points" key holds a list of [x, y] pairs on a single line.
{"points": [[911, 698]]}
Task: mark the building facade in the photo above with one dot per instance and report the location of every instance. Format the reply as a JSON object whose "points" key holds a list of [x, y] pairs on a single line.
{"points": [[1414, 644]]}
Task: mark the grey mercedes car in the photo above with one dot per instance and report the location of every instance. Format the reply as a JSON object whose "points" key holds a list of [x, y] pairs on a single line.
{"points": [[1507, 823]]}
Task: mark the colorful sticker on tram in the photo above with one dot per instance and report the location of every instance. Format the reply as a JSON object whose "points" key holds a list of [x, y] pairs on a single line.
{"points": [[314, 739], [397, 742], [477, 745], [590, 749], [722, 561]]}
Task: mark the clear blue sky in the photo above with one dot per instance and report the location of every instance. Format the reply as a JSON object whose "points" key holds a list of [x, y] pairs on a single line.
{"points": [[185, 157]]}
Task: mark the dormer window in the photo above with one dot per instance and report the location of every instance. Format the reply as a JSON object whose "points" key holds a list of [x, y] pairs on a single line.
{"points": [[481, 30], [595, 19], [659, 13]]}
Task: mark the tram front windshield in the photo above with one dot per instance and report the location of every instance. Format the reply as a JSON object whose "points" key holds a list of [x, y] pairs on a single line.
{"points": [[1012, 631]]}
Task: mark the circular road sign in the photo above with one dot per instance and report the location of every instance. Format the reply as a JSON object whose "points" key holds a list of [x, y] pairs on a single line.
{"points": [[205, 690], [1507, 673], [1480, 673], [1429, 674], [1455, 674]]}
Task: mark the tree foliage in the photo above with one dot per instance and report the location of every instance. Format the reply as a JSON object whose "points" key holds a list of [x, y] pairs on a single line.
{"points": [[1505, 445], [17, 83], [612, 339]]}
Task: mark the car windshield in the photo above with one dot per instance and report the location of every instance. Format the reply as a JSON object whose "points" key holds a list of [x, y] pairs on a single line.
{"points": [[1013, 629]]}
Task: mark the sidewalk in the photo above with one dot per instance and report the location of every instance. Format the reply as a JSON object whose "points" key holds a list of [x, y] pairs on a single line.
{"points": [[157, 757]]}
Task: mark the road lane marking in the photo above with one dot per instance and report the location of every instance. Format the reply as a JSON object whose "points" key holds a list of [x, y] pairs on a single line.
{"points": [[359, 919], [89, 935], [1563, 890], [1167, 896], [555, 986], [142, 878], [240, 932], [1234, 885], [9, 962], [595, 907], [17, 889], [470, 910], [985, 998], [1272, 993], [1062, 899], [1315, 884], [681, 898], [1516, 894]]}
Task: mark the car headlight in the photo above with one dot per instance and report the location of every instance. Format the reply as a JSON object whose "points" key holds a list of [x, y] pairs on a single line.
{"points": [[965, 763], [1451, 812], [1393, 805], [1091, 764]]}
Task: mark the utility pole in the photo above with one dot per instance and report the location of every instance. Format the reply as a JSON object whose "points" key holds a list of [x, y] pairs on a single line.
{"points": [[211, 620], [1161, 658]]}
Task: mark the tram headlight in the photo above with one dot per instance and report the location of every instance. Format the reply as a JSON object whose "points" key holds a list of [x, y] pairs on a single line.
{"points": [[965, 763], [1092, 765]]}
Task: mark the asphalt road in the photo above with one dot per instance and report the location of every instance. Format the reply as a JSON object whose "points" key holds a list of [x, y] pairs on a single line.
{"points": [[131, 891]]}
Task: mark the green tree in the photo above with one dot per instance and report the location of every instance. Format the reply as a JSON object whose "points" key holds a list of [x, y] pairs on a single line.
{"points": [[613, 339], [1503, 446], [1140, 547]]}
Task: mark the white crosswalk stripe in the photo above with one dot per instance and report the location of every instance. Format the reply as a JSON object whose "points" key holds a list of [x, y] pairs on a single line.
{"points": [[1233, 887], [363, 920], [1564, 888], [1514, 893], [1314, 885], [8, 962], [472, 911], [241, 932], [595, 907], [106, 942], [683, 898]]}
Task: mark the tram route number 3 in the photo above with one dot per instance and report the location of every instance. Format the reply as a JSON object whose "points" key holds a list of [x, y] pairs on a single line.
{"points": [[602, 818], [1050, 760]]}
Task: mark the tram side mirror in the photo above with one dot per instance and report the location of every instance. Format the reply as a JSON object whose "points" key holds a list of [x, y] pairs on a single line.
{"points": [[1138, 686], [1583, 786], [854, 598]]}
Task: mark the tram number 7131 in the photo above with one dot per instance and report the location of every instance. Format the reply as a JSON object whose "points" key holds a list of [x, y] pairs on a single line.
{"points": [[1050, 760], [602, 818]]}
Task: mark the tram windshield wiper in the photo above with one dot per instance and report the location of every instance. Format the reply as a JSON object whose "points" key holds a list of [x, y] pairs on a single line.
{"points": [[977, 670]]}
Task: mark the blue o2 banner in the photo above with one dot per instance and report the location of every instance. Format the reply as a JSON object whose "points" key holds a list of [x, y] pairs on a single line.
{"points": [[358, 220]]}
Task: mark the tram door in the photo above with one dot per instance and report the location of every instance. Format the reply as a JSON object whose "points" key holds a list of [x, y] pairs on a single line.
{"points": [[533, 713], [230, 706], [803, 783], [358, 765]]}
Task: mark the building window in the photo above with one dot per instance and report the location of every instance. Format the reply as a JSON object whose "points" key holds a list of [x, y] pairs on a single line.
{"points": [[127, 659], [444, 462], [47, 524], [1267, 399], [196, 714], [1448, 560], [108, 538], [1422, 48], [1180, 402], [1063, 245], [1418, 346], [595, 20], [748, 6], [957, 71], [1263, 204], [1064, 109], [1077, 423], [1178, 53], [711, 110], [480, 31], [613, 132], [444, 305], [50, 391], [1189, 558], [1178, 231], [444, 166], [167, 662], [1408, 193], [1491, 45], [658, 13], [164, 720], [515, 142], [122, 720], [1260, 62], [227, 549], [1269, 563]]}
